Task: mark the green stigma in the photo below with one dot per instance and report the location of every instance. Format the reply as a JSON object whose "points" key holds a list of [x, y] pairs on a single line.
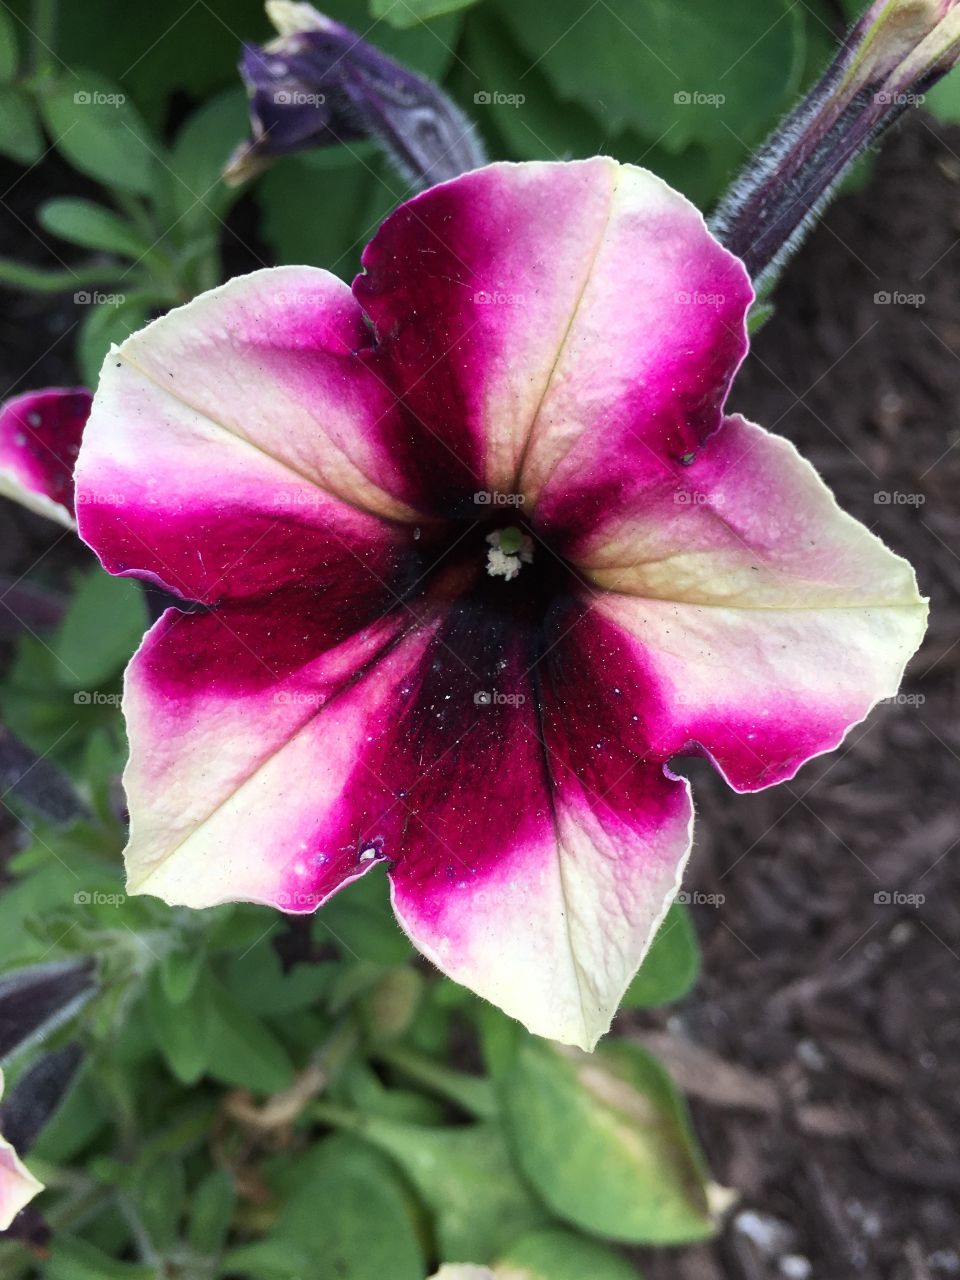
{"points": [[511, 540]]}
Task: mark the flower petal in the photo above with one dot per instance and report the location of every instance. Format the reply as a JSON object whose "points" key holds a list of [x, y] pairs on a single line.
{"points": [[18, 1186], [233, 444], [542, 321], [531, 861], [245, 727], [39, 441], [542, 854], [768, 621]]}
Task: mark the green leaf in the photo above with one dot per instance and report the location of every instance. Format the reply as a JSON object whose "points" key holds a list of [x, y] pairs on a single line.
{"points": [[256, 979], [158, 1190], [943, 100], [180, 971], [94, 125], [677, 72], [22, 275], [360, 1086], [302, 224], [214, 1202], [102, 627], [409, 13], [167, 49], [345, 1209], [181, 1031], [199, 154], [671, 965], [270, 1259], [34, 704], [562, 1255], [360, 921], [500, 1038], [21, 138], [9, 48], [473, 1094], [241, 1049], [91, 225], [606, 1141], [466, 1177], [74, 1124], [522, 105], [76, 1260], [110, 318]]}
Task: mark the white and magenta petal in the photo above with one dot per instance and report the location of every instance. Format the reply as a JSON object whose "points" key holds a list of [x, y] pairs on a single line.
{"points": [[40, 435], [235, 444], [540, 855], [532, 848], [544, 322], [18, 1186], [246, 728], [768, 621]]}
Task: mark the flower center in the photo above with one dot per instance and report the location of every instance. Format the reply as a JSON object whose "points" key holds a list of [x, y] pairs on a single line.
{"points": [[510, 549]]}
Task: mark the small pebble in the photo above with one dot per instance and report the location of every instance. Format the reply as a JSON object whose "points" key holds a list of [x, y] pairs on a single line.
{"points": [[796, 1266], [769, 1234], [811, 1055]]}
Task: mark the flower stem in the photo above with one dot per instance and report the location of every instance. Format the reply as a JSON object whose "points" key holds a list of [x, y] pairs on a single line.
{"points": [[472, 1093]]}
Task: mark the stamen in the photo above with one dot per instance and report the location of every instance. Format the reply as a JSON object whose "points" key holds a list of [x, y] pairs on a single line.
{"points": [[510, 549]]}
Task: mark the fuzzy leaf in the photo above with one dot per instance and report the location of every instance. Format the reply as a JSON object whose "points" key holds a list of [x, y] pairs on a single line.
{"points": [[622, 1163]]}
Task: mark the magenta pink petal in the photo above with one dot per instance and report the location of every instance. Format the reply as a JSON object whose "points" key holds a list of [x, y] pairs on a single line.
{"points": [[40, 436], [765, 620], [552, 330]]}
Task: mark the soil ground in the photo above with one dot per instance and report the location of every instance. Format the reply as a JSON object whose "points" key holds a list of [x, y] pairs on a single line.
{"points": [[821, 1048]]}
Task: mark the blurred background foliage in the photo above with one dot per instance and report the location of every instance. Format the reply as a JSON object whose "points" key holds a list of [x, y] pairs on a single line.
{"points": [[686, 90]]}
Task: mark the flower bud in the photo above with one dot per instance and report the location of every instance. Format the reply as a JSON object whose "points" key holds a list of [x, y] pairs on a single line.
{"points": [[37, 1095], [320, 84], [895, 52], [38, 999]]}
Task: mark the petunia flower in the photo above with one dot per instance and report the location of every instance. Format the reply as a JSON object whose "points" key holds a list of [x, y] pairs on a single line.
{"points": [[537, 354], [18, 1186], [39, 442]]}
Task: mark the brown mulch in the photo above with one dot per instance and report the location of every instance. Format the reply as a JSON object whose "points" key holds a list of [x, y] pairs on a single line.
{"points": [[821, 1049]]}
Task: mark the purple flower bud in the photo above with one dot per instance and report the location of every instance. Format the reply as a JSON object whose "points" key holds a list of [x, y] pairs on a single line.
{"points": [[895, 52], [40, 998], [36, 781], [37, 1095], [320, 84]]}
